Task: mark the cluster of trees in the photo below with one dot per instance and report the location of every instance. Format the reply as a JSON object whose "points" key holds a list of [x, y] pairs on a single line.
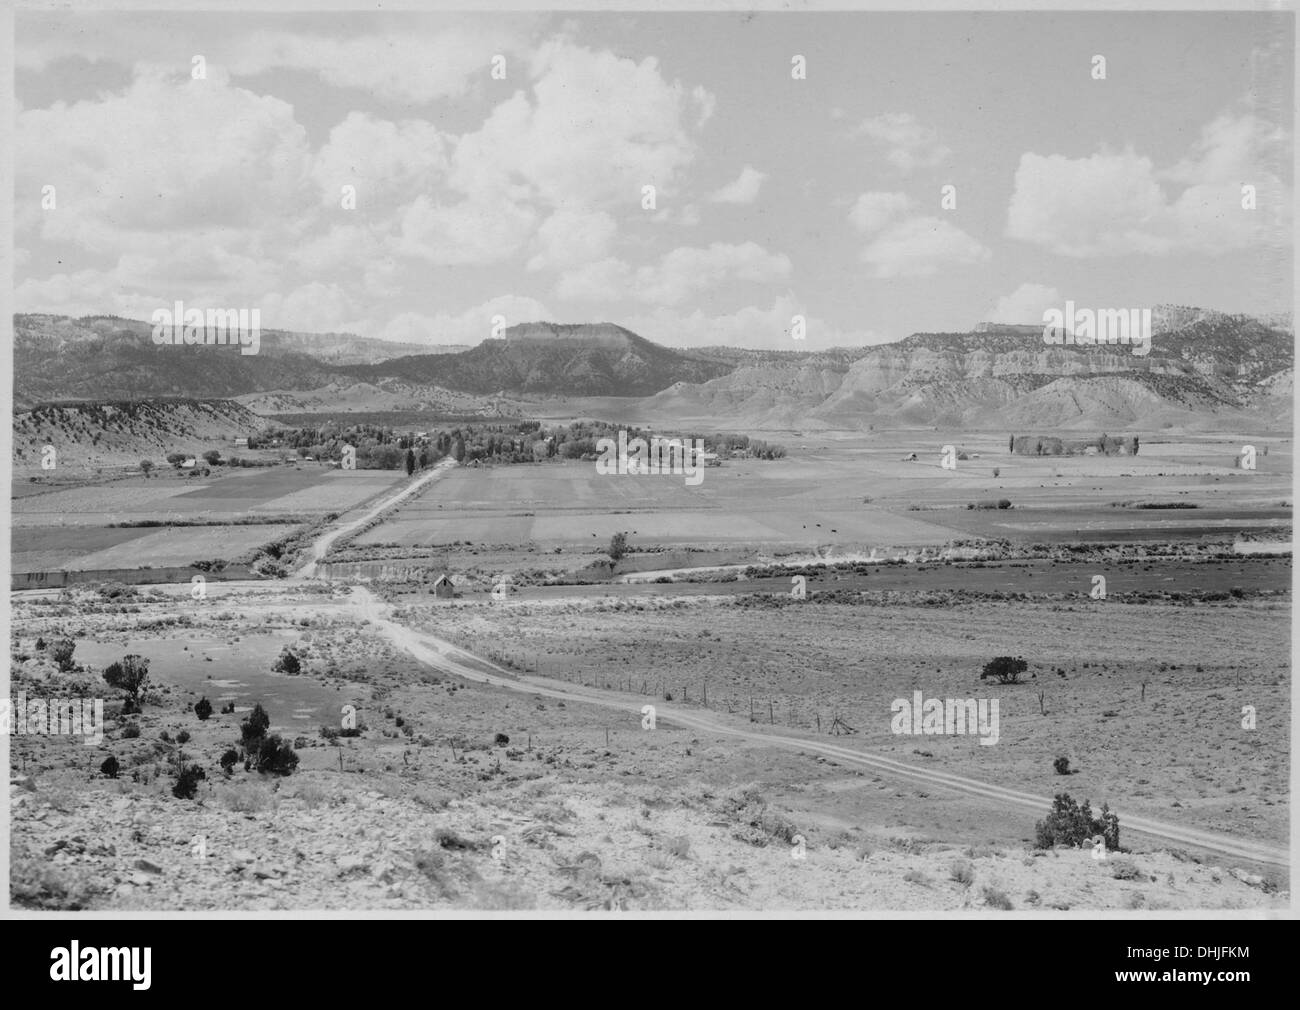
{"points": [[496, 443], [378, 447], [212, 457], [1044, 445], [527, 441], [759, 449], [257, 750], [330, 433]]}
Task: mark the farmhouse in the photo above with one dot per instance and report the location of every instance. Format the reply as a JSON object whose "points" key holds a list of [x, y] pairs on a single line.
{"points": [[443, 588], [241, 443]]}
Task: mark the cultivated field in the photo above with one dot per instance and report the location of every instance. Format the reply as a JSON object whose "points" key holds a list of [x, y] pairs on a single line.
{"points": [[850, 493], [69, 527]]}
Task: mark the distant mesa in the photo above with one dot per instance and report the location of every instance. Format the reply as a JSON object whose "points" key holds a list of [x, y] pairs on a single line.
{"points": [[1207, 371], [1017, 329]]}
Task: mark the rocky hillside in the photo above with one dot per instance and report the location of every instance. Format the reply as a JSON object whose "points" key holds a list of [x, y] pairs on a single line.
{"points": [[56, 358], [114, 434], [391, 394], [98, 357], [1205, 370]]}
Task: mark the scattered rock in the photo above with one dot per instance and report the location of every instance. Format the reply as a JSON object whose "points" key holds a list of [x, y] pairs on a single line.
{"points": [[147, 866]]}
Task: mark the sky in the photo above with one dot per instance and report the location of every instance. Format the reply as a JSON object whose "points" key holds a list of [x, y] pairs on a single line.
{"points": [[420, 177]]}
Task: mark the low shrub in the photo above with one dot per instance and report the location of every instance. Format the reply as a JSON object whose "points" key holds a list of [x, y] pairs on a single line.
{"points": [[1125, 869], [61, 652], [1068, 824], [268, 568], [1006, 669], [246, 798], [449, 839], [187, 782], [252, 731], [203, 709], [276, 757], [288, 663], [110, 767]]}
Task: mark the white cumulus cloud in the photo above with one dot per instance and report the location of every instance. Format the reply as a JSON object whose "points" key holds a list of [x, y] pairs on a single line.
{"points": [[872, 211], [908, 143], [743, 190], [1024, 305], [919, 247], [1122, 203]]}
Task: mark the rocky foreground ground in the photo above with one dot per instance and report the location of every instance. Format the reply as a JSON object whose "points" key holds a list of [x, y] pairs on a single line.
{"points": [[331, 841]]}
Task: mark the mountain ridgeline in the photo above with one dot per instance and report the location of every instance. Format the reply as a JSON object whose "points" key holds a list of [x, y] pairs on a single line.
{"points": [[1205, 370], [553, 360]]}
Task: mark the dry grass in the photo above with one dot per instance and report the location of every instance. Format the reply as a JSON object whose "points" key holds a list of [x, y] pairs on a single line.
{"points": [[962, 872], [246, 798]]}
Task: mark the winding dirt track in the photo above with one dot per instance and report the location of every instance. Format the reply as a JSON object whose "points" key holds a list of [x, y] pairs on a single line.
{"points": [[448, 658]]}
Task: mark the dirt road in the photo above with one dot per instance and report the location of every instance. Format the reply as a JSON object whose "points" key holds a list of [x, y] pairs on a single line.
{"points": [[324, 542], [448, 658]]}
